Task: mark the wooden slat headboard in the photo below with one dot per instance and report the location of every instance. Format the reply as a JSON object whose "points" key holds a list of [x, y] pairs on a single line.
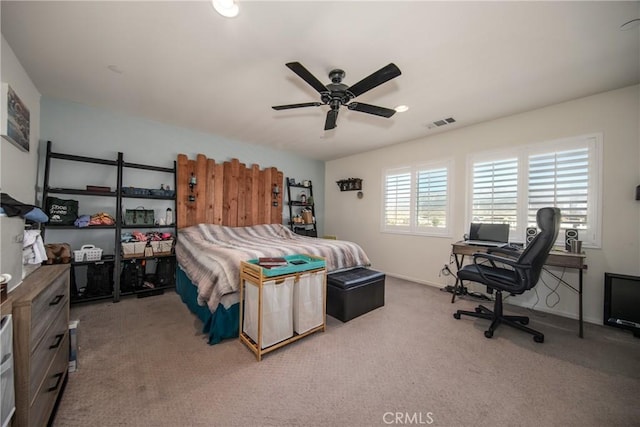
{"points": [[228, 193]]}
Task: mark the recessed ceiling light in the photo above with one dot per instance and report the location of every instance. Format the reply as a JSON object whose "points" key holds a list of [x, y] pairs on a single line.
{"points": [[630, 25], [401, 108], [226, 8]]}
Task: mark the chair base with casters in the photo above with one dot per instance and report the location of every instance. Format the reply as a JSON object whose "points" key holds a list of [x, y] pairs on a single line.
{"points": [[518, 272], [497, 317]]}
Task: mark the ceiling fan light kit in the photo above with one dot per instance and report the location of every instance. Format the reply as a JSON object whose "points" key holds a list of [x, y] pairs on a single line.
{"points": [[336, 93], [226, 8]]}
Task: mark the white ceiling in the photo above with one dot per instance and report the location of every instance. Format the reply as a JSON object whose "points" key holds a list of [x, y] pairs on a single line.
{"points": [[181, 63]]}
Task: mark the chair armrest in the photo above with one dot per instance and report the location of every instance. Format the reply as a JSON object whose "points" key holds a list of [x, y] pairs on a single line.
{"points": [[510, 252], [493, 259]]}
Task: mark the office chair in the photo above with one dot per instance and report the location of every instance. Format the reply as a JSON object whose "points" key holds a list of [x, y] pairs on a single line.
{"points": [[518, 276]]}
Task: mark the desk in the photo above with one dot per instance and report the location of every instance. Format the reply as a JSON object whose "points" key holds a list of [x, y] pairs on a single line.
{"points": [[557, 258]]}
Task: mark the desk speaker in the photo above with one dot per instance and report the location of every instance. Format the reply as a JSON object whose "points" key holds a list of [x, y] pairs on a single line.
{"points": [[569, 235], [532, 232]]}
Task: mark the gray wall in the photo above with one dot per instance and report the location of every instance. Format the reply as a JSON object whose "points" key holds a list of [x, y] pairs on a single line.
{"points": [[17, 168]]}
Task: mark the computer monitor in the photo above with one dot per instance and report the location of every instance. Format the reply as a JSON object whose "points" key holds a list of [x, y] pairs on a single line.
{"points": [[489, 232]]}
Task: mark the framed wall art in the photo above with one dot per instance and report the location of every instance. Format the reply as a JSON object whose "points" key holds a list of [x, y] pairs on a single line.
{"points": [[15, 121]]}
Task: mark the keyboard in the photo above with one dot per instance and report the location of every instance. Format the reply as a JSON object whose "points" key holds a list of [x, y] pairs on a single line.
{"points": [[485, 243]]}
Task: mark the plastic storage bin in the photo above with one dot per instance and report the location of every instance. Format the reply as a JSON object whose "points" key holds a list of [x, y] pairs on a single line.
{"points": [[8, 405], [308, 302], [73, 345], [135, 191], [277, 313], [87, 253]]}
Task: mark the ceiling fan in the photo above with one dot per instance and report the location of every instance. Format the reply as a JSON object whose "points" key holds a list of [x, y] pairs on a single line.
{"points": [[336, 93]]}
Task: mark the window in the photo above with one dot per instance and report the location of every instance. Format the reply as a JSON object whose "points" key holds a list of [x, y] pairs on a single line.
{"points": [[431, 193], [560, 179], [495, 191], [511, 186], [397, 199], [416, 199]]}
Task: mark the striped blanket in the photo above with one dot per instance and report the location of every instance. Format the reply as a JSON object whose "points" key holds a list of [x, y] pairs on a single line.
{"points": [[210, 254]]}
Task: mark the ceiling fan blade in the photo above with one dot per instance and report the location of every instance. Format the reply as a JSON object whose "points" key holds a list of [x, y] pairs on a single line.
{"points": [[384, 74], [332, 116], [371, 109], [304, 104], [305, 75]]}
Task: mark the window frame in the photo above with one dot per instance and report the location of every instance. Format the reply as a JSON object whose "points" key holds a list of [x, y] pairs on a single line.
{"points": [[592, 237], [413, 228]]}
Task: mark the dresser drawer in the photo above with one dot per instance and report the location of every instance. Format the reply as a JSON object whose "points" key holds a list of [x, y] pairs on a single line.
{"points": [[46, 350], [42, 405], [46, 307], [40, 308]]}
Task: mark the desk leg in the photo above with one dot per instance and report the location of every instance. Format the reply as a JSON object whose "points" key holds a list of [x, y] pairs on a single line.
{"points": [[459, 262], [581, 333]]}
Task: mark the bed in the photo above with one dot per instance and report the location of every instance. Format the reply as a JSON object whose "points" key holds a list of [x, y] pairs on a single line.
{"points": [[209, 256]]}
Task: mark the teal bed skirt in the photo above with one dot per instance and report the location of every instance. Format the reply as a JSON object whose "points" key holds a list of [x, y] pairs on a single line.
{"points": [[219, 325]]}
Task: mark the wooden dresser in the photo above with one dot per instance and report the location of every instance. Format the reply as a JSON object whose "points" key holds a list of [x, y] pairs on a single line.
{"points": [[41, 342]]}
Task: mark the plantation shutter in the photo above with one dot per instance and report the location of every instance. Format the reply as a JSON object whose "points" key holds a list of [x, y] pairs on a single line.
{"points": [[397, 199], [431, 196], [495, 192], [560, 179]]}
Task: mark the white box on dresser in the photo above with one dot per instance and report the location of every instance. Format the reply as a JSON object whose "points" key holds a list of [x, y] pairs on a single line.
{"points": [[41, 342]]}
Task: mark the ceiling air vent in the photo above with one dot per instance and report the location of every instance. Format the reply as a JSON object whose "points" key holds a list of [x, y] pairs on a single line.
{"points": [[441, 122]]}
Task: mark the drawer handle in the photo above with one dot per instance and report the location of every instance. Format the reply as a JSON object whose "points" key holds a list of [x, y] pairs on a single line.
{"points": [[58, 341], [55, 387], [56, 300]]}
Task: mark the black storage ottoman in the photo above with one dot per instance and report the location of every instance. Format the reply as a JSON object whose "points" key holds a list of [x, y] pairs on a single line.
{"points": [[354, 292]]}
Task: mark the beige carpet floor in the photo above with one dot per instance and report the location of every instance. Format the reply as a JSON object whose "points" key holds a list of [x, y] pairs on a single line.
{"points": [[144, 362]]}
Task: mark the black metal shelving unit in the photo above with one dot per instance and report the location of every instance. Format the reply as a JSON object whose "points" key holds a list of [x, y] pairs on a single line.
{"points": [[118, 195], [297, 206]]}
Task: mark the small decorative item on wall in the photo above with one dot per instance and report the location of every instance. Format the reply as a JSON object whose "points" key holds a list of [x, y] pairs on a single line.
{"points": [[15, 121], [192, 183], [350, 184]]}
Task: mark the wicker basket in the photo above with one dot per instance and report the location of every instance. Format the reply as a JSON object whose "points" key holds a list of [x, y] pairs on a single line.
{"points": [[87, 253], [307, 217], [133, 249], [162, 247]]}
